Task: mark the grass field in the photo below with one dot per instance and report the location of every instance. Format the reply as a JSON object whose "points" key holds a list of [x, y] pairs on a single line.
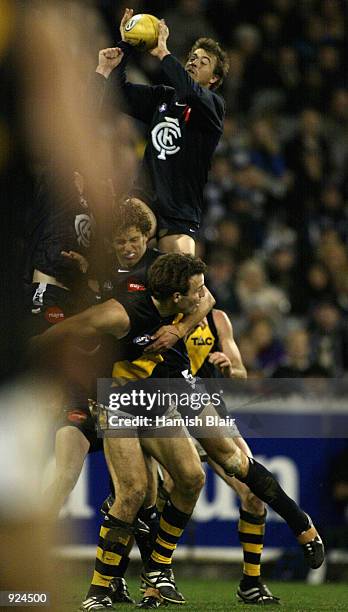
{"points": [[219, 595]]}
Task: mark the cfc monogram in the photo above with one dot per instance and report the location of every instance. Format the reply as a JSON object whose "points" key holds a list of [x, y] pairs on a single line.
{"points": [[164, 135]]}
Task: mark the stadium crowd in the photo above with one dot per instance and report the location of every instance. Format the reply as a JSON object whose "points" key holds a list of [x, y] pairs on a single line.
{"points": [[275, 222]]}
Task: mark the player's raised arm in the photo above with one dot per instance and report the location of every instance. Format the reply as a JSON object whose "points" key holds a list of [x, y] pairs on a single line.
{"points": [[139, 100], [229, 360], [194, 82]]}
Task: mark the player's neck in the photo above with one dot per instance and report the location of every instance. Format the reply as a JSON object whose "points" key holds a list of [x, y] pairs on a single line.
{"points": [[166, 309]]}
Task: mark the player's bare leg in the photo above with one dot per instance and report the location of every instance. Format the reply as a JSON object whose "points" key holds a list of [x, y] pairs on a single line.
{"points": [[177, 243], [225, 452], [180, 458], [71, 449], [127, 468], [128, 472]]}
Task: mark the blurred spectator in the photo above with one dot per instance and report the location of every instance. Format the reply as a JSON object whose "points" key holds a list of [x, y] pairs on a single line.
{"points": [[220, 279], [315, 287], [331, 214], [186, 22], [229, 236], [248, 351], [329, 338], [289, 80], [269, 348], [297, 362], [307, 154], [266, 155], [282, 272], [257, 296], [337, 129], [334, 253], [217, 190]]}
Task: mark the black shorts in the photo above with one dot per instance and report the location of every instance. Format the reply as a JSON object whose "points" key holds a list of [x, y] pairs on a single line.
{"points": [[82, 419], [167, 225], [46, 305]]}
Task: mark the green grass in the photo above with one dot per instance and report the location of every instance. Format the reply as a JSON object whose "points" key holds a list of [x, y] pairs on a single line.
{"points": [[219, 595]]}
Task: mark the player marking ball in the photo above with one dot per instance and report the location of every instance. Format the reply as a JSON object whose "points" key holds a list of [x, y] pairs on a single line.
{"points": [[141, 31]]}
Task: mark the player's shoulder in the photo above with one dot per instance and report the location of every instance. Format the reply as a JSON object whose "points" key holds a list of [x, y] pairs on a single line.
{"points": [[219, 102], [221, 320]]}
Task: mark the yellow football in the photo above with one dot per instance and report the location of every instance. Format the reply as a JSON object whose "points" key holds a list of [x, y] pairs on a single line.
{"points": [[141, 31]]}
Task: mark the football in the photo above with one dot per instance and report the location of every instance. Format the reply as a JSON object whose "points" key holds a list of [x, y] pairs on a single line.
{"points": [[141, 31]]}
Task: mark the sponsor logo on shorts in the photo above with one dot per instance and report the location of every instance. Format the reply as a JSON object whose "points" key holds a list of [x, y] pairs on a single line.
{"points": [[163, 108], [77, 416], [54, 314], [142, 340]]}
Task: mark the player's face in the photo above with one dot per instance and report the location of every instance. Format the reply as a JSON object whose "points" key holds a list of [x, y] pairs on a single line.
{"points": [[130, 247], [190, 301], [200, 66]]}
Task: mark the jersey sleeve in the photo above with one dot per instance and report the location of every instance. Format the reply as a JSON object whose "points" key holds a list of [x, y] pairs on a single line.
{"points": [[210, 105], [138, 101]]}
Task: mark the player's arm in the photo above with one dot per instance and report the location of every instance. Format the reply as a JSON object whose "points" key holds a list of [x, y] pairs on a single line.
{"points": [[209, 104], [107, 318], [139, 101], [229, 360], [168, 335]]}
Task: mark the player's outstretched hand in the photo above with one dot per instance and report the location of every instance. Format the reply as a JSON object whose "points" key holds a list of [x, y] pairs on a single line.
{"points": [[220, 360], [164, 338], [128, 13], [108, 60], [161, 50], [78, 259]]}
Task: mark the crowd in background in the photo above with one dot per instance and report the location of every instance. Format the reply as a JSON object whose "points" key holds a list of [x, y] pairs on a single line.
{"points": [[275, 223]]}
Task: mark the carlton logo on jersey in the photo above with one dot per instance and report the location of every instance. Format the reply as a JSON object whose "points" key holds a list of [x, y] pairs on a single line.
{"points": [[142, 340], [84, 226], [164, 136]]}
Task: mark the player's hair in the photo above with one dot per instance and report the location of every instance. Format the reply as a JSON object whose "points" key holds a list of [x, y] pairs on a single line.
{"points": [[128, 214], [213, 48], [171, 273]]}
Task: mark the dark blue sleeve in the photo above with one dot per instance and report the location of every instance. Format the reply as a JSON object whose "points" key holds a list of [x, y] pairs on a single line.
{"points": [[210, 105], [138, 101]]}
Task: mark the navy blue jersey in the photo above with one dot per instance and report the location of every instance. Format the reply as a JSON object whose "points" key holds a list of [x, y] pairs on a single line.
{"points": [[119, 281], [185, 123], [58, 222]]}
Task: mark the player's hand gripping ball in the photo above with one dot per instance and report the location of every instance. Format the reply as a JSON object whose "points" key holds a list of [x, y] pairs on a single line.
{"points": [[141, 31]]}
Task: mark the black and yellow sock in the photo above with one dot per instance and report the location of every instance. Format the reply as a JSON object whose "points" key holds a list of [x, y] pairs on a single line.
{"points": [[111, 558], [251, 531], [146, 531], [171, 526], [262, 482]]}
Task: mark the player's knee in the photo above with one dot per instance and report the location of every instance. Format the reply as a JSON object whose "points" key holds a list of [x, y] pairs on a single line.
{"points": [[132, 497], [253, 504], [192, 481]]}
